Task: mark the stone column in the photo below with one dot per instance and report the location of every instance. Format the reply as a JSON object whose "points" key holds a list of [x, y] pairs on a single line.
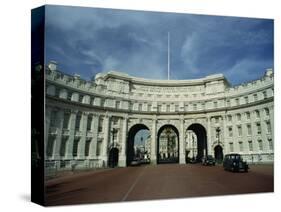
{"points": [[47, 127], [122, 154], [153, 141], [271, 116], [224, 137], [106, 138], [209, 135], [94, 142], [83, 130], [182, 142], [69, 146], [58, 140]]}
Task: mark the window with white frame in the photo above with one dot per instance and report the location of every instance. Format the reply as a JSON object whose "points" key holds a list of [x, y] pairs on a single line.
{"points": [[260, 145], [249, 129], [270, 144], [240, 146], [258, 125], [248, 115], [268, 126], [230, 132], [239, 129], [250, 145], [231, 147]]}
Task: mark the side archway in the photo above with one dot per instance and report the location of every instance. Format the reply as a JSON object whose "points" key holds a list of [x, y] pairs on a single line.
{"points": [[201, 136], [168, 144], [218, 153], [113, 157], [130, 151]]}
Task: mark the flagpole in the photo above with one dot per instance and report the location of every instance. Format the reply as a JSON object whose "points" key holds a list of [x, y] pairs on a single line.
{"points": [[168, 55]]}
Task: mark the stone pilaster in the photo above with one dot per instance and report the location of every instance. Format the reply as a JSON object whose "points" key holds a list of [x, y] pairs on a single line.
{"points": [[224, 137], [209, 135], [69, 147], [106, 139], [47, 127], [122, 154], [94, 142], [153, 141], [182, 142], [58, 139], [83, 130]]}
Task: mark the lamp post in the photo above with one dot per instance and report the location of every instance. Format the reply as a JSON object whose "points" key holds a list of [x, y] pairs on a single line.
{"points": [[218, 134]]}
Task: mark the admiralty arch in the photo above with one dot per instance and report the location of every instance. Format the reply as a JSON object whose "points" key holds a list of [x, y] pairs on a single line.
{"points": [[90, 123]]}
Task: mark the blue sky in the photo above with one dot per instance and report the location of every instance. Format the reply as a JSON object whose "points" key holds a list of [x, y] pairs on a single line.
{"points": [[87, 41]]}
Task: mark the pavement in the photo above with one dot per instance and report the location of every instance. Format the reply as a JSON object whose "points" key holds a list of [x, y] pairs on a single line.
{"points": [[152, 182]]}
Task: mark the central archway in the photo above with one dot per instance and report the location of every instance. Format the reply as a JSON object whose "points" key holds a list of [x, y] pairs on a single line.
{"points": [[131, 151], [201, 135], [168, 144]]}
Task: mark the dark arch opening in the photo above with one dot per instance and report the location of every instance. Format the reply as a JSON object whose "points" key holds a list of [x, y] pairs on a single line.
{"points": [[201, 134], [130, 152], [113, 157], [168, 144], [218, 153]]}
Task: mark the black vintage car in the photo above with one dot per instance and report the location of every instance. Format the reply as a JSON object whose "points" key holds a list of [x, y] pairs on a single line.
{"points": [[234, 163], [208, 160]]}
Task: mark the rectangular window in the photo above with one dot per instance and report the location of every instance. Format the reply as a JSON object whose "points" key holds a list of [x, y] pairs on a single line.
{"points": [[77, 121], [260, 145], [237, 101], [268, 127], [270, 144], [89, 122], [239, 128], [239, 117], [246, 100], [217, 120], [215, 104], [249, 129], [229, 117], [230, 133], [257, 114], [87, 148], [66, 120], [75, 148], [118, 104], [255, 97], [69, 96], [159, 108], [194, 107], [241, 146], [231, 147], [140, 107], [248, 115], [53, 118], [258, 128], [228, 103], [250, 145], [81, 98], [264, 94], [177, 108], [266, 110], [168, 108], [63, 147], [100, 125], [98, 148], [50, 146], [149, 107]]}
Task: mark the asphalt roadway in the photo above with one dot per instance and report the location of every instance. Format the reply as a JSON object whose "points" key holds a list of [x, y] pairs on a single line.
{"points": [[156, 182]]}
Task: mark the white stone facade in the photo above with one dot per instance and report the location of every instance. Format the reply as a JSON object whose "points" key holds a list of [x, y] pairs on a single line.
{"points": [[86, 119]]}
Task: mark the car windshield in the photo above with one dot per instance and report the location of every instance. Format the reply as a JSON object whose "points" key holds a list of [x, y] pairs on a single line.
{"points": [[236, 157]]}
